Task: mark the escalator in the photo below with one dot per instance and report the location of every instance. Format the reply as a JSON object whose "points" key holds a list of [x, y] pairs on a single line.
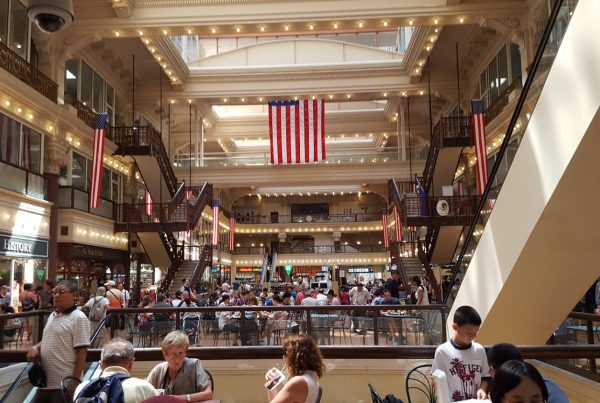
{"points": [[531, 256]]}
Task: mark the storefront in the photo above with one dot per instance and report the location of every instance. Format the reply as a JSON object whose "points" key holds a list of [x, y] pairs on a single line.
{"points": [[22, 260], [91, 266], [355, 275], [248, 274]]}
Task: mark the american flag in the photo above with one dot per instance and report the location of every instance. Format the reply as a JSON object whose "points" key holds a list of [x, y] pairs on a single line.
{"points": [[149, 204], [478, 122], [297, 130], [215, 224], [231, 233], [398, 225], [99, 134], [386, 231]]}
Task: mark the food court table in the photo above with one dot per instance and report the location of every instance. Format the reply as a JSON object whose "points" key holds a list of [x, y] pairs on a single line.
{"points": [[395, 318]]}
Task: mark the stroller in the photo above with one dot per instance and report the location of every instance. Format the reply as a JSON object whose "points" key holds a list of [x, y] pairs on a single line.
{"points": [[191, 327]]}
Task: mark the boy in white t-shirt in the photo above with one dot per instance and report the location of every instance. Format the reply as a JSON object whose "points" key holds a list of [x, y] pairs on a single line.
{"points": [[463, 360]]}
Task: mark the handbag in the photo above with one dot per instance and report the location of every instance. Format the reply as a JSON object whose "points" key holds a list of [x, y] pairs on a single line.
{"points": [[36, 375]]}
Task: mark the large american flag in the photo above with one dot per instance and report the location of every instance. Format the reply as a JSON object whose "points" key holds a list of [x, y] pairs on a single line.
{"points": [[232, 233], [478, 122], [386, 231], [215, 224], [99, 134], [297, 131]]}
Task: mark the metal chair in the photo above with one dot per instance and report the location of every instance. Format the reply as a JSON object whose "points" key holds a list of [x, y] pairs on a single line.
{"points": [[319, 395], [419, 380], [212, 381], [375, 398]]}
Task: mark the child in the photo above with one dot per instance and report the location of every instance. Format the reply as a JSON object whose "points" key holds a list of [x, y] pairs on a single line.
{"points": [[463, 360]]}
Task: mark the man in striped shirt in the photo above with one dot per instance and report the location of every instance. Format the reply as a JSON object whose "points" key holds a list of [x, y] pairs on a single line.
{"points": [[64, 344]]}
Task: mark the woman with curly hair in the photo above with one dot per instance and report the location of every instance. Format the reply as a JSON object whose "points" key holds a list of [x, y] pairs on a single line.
{"points": [[304, 362]]}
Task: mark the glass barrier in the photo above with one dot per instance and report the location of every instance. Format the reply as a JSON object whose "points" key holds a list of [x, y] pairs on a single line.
{"points": [[70, 197], [22, 181], [371, 325], [578, 329]]}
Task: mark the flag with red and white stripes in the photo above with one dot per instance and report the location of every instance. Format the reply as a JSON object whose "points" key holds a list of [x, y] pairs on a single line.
{"points": [[231, 233], [478, 122], [297, 130], [386, 231], [397, 225], [99, 135], [215, 224], [149, 204]]}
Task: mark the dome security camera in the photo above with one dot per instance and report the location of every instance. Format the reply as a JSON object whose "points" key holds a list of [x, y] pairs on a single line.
{"points": [[51, 15]]}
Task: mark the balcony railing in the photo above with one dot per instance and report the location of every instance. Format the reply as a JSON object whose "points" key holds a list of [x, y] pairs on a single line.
{"points": [[73, 198], [449, 132], [23, 181], [20, 68], [343, 156], [310, 249], [500, 103], [306, 218]]}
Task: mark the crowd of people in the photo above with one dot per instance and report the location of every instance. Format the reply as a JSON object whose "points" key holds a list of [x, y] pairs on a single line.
{"points": [[468, 371]]}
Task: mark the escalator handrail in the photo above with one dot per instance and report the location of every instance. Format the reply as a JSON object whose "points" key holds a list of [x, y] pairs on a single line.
{"points": [[509, 130], [23, 374]]}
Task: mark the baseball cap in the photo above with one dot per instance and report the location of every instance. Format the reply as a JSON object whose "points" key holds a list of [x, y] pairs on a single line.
{"points": [[110, 282]]}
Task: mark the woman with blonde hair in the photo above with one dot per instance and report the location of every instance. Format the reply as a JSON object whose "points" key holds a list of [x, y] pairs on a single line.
{"points": [[180, 376], [304, 363]]}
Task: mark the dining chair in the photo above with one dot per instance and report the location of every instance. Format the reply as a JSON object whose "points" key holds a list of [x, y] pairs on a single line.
{"points": [[418, 381]]}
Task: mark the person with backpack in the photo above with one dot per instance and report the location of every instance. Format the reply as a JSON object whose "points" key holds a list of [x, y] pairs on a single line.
{"points": [[96, 308], [115, 383], [29, 302]]}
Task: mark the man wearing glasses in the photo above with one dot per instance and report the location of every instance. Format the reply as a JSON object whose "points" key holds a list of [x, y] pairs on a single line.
{"points": [[64, 344]]}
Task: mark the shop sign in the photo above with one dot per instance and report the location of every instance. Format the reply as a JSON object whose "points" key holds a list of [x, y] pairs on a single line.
{"points": [[23, 247], [40, 273], [360, 270], [99, 254], [248, 269]]}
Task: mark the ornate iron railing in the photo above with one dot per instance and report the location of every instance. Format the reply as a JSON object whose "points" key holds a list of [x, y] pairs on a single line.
{"points": [[20, 68]]}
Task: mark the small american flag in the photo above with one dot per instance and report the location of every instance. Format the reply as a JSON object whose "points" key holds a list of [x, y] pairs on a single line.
{"points": [[297, 131], [232, 233], [386, 231], [99, 134], [149, 204], [398, 225], [478, 121], [215, 224]]}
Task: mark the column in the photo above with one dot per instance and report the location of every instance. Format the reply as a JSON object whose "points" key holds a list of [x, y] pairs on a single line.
{"points": [[401, 129]]}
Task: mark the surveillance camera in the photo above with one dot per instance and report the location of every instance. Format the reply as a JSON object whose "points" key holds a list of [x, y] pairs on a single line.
{"points": [[51, 15]]}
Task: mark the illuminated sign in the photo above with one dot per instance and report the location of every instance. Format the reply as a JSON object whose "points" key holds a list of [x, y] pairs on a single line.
{"points": [[360, 270], [23, 247]]}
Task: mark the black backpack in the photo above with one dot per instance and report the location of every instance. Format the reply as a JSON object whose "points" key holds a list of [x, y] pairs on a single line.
{"points": [[103, 390]]}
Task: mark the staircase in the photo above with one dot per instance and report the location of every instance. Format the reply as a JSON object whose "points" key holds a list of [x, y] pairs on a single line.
{"points": [[175, 207], [185, 271], [412, 267]]}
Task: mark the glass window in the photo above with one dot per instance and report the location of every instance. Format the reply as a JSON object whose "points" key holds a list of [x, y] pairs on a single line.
{"points": [[19, 29], [515, 62], [98, 93], [502, 71], [3, 21], [115, 187], [79, 172], [86, 84], [71, 73], [110, 104], [31, 155], [89, 174], [493, 76], [9, 140], [105, 184]]}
